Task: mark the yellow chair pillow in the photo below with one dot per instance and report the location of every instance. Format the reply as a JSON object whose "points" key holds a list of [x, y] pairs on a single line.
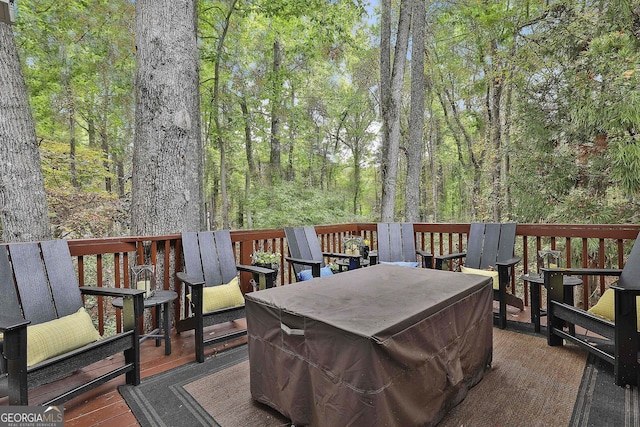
{"points": [[489, 273], [221, 296], [605, 307], [49, 339]]}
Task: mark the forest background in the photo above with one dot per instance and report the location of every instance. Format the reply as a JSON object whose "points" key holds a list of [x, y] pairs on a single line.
{"points": [[531, 111]]}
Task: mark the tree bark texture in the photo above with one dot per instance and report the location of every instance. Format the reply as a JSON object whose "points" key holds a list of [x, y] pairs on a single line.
{"points": [[24, 213], [167, 178], [275, 172], [391, 114], [416, 117]]}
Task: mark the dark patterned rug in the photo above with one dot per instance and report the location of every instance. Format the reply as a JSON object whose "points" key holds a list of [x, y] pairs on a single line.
{"points": [[161, 400], [600, 402]]}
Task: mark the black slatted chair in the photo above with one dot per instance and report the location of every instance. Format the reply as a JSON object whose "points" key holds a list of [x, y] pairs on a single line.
{"points": [[209, 262], [38, 286], [620, 338], [397, 244], [306, 253], [491, 246]]}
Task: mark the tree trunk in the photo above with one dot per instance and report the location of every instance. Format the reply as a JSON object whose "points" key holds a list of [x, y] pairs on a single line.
{"points": [[216, 118], [391, 105], [166, 192], [385, 88], [495, 130], [70, 105], [416, 118], [24, 213], [252, 169], [275, 172]]}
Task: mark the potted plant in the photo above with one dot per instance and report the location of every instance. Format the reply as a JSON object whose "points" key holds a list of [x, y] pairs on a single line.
{"points": [[266, 259]]}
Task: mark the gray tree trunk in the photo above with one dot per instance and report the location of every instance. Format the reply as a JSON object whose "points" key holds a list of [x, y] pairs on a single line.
{"points": [[416, 118], [391, 105], [167, 171], [24, 213]]}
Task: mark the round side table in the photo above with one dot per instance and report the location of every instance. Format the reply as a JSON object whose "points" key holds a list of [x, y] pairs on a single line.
{"points": [[536, 281], [160, 300]]}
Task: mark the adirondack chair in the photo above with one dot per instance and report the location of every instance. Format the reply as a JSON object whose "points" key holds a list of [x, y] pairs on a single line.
{"points": [[491, 246], [39, 288], [210, 267], [306, 254], [397, 244], [616, 322]]}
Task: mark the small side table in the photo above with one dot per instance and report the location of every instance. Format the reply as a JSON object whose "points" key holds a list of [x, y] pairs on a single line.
{"points": [[536, 281], [160, 300]]}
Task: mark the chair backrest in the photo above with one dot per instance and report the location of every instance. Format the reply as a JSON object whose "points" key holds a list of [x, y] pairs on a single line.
{"points": [[396, 242], [208, 256], [489, 243], [303, 244], [40, 278], [630, 277]]}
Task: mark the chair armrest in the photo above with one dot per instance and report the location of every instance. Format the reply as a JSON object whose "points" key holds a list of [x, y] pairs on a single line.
{"points": [[553, 279], [254, 269], [440, 258], [509, 262], [8, 323], [628, 291], [262, 272], [582, 271], [133, 302], [303, 261], [339, 255], [188, 280], [427, 258], [111, 292], [451, 256]]}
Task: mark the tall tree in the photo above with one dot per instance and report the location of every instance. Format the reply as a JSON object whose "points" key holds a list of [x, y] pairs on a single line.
{"points": [[24, 214], [415, 146], [167, 172], [391, 85]]}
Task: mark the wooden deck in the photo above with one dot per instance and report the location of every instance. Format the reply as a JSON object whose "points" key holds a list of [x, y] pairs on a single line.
{"points": [[105, 407]]}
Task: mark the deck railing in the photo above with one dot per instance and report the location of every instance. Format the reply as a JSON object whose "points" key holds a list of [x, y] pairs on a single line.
{"points": [[106, 262]]}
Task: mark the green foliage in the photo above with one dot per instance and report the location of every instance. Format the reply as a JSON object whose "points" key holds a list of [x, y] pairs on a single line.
{"points": [[289, 204], [570, 109], [83, 212]]}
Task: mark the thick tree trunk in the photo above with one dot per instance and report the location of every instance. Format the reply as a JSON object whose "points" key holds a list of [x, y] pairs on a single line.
{"points": [[24, 213], [391, 114], [416, 118], [385, 90], [167, 178]]}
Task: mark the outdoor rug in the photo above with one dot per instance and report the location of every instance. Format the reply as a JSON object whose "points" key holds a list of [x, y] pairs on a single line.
{"points": [[529, 384], [601, 402]]}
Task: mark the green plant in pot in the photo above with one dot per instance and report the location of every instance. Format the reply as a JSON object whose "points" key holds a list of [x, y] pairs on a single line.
{"points": [[266, 259]]}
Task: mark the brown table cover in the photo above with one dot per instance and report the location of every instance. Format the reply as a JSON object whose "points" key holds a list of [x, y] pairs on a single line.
{"points": [[378, 346]]}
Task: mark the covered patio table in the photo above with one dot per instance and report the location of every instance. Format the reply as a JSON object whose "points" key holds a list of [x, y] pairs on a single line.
{"points": [[377, 346]]}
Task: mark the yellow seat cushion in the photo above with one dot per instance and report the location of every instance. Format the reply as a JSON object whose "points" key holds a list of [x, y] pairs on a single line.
{"points": [[489, 273], [221, 296], [605, 307], [49, 339]]}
